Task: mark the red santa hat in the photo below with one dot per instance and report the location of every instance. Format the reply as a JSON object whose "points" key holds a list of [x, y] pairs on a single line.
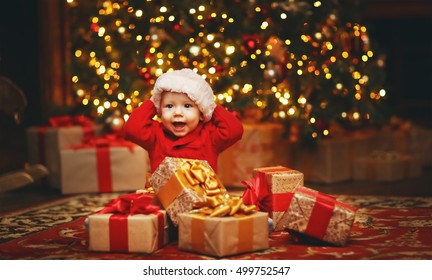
{"points": [[190, 83]]}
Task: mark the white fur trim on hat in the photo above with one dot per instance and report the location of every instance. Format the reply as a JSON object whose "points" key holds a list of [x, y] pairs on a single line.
{"points": [[188, 82]]}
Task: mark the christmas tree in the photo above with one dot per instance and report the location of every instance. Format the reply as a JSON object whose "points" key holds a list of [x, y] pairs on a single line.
{"points": [[304, 63]]}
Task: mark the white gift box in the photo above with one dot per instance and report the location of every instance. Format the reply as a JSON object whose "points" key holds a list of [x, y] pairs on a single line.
{"points": [[103, 169], [139, 233], [386, 166], [332, 160], [44, 145], [328, 162]]}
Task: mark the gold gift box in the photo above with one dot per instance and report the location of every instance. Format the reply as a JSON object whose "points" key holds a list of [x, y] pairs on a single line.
{"points": [[281, 182], [280, 179], [223, 236], [181, 183], [319, 216]]}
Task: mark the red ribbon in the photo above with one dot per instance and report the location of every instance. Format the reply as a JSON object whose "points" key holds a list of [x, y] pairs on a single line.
{"points": [[258, 193], [123, 206], [67, 120], [118, 233], [103, 165], [161, 229], [63, 121], [133, 203], [107, 140], [103, 159], [322, 212], [282, 201]]}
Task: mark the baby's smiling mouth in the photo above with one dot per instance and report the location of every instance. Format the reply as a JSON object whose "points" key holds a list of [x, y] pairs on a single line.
{"points": [[179, 124]]}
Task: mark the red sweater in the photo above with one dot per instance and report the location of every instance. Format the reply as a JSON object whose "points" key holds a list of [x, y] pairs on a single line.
{"points": [[204, 143]]}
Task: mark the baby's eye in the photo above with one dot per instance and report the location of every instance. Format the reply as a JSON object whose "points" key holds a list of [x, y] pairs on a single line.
{"points": [[169, 106], [188, 105]]}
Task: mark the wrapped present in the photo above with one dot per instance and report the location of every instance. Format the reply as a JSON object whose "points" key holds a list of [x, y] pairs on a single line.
{"points": [[262, 144], [45, 142], [386, 166], [270, 188], [331, 160], [319, 216], [421, 144], [327, 162], [223, 236], [104, 164], [128, 224], [223, 225], [406, 138], [361, 143], [179, 183]]}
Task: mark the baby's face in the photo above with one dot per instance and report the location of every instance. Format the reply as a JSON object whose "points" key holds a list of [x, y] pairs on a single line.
{"points": [[179, 114]]}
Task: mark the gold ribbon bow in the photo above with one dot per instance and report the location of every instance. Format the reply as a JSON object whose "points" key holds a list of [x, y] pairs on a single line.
{"points": [[226, 206], [200, 178], [218, 202]]}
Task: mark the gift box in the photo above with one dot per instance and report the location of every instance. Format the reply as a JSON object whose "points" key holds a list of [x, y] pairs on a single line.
{"points": [[262, 144], [361, 143], [223, 236], [332, 159], [45, 142], [405, 138], [270, 188], [319, 216], [386, 166], [327, 162], [129, 224], [103, 165], [180, 183], [421, 144]]}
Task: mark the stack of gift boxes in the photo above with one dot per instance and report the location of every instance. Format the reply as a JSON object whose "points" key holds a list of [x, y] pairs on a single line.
{"points": [[211, 221], [342, 156], [401, 151], [81, 158], [186, 196]]}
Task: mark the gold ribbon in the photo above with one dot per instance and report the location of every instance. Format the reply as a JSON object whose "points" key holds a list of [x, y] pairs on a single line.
{"points": [[191, 174], [245, 238], [225, 206], [218, 202], [200, 178]]}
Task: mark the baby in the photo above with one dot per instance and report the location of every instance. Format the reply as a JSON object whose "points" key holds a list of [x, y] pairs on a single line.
{"points": [[191, 124]]}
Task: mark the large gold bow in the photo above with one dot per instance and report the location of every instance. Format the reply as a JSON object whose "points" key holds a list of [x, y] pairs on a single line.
{"points": [[217, 202], [202, 178]]}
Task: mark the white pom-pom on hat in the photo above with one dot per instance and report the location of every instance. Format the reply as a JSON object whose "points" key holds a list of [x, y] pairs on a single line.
{"points": [[190, 83]]}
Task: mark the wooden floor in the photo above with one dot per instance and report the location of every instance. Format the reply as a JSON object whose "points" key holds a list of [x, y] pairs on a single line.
{"points": [[420, 186]]}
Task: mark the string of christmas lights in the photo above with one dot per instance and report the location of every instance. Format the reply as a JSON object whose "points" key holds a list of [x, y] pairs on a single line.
{"points": [[301, 62]]}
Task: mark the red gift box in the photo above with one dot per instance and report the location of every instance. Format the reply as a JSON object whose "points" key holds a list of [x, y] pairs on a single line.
{"points": [[45, 142], [128, 224], [270, 189], [318, 215], [104, 164]]}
